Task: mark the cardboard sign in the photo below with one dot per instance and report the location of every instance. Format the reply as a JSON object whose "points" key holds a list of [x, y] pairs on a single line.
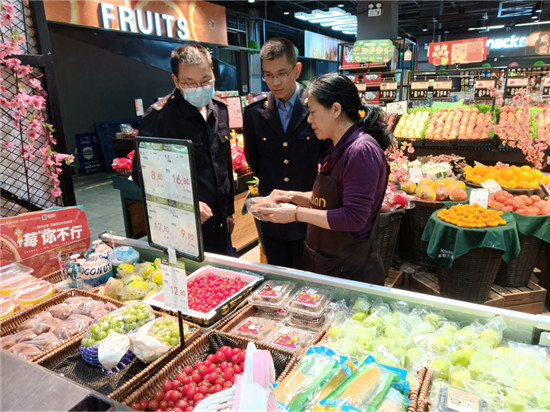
{"points": [[36, 238]]}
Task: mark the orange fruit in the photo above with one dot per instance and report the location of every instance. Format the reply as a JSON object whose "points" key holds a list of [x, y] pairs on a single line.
{"points": [[506, 174]]}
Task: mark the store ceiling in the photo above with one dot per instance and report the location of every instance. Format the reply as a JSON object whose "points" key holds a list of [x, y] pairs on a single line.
{"points": [[448, 17]]}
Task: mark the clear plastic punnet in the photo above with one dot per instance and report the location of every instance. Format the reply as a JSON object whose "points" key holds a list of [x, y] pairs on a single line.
{"points": [[309, 302]]}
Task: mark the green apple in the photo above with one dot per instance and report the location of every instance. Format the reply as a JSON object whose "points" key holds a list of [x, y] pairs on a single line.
{"points": [[482, 343], [526, 384], [413, 356], [515, 401], [433, 318], [458, 376], [543, 400], [395, 333], [440, 368], [478, 369], [491, 335], [484, 389], [361, 305], [335, 332], [359, 316], [366, 344], [441, 342], [424, 327], [465, 336], [448, 326], [461, 356]]}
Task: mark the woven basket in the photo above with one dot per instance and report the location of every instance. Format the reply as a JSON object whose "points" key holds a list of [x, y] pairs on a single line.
{"points": [[9, 325], [411, 246], [53, 277], [471, 276], [205, 345], [475, 145], [388, 229], [518, 271]]}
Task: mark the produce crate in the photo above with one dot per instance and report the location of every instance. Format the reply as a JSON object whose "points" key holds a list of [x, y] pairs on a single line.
{"points": [[428, 283], [394, 279], [9, 325], [54, 277], [250, 310], [207, 319], [205, 345], [529, 299], [518, 272], [68, 361], [386, 237]]}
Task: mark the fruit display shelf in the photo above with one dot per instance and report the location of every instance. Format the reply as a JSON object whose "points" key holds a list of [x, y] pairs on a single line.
{"points": [[68, 361], [9, 325], [206, 316]]}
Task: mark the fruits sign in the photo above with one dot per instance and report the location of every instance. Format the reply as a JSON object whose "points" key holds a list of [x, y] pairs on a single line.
{"points": [[546, 87], [372, 51], [514, 85], [458, 51], [483, 89], [35, 239]]}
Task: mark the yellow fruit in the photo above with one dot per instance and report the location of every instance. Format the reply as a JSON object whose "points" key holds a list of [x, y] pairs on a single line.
{"points": [[138, 284], [157, 277]]}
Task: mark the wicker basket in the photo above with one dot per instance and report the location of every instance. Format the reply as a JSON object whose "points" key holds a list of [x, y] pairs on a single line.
{"points": [[411, 246], [471, 276], [9, 325], [515, 192], [518, 271], [207, 344], [119, 385], [388, 229], [475, 145], [54, 277]]}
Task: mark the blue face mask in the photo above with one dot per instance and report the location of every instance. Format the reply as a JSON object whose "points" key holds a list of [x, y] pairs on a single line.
{"points": [[200, 96]]}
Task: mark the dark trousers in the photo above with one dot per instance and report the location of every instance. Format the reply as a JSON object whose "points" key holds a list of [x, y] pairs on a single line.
{"points": [[218, 241], [282, 252]]}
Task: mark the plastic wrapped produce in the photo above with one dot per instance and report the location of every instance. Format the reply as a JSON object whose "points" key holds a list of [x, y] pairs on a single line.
{"points": [[25, 351], [24, 335], [61, 311], [45, 341], [319, 373]]}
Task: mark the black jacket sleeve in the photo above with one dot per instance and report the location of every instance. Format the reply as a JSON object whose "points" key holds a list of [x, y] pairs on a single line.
{"points": [[250, 142]]}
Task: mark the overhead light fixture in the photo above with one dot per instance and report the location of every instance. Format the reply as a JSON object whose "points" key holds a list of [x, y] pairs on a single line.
{"points": [[341, 5], [335, 18], [425, 27], [533, 23], [500, 26], [252, 1], [286, 9]]}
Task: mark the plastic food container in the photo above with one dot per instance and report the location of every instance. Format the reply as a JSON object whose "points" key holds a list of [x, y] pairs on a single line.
{"points": [[289, 338], [255, 328], [313, 324], [309, 302], [14, 276], [272, 292]]}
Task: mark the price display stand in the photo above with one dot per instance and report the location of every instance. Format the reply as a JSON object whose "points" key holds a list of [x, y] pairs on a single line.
{"points": [[169, 193]]}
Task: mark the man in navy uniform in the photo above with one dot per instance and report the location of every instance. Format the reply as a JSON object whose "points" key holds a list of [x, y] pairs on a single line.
{"points": [[192, 112], [280, 146]]}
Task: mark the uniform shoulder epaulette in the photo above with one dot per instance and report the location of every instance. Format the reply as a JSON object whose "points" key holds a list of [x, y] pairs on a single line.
{"points": [[256, 99], [219, 100], [159, 104]]}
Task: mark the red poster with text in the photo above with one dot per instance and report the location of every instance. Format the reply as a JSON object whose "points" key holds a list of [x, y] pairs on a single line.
{"points": [[458, 51], [35, 239]]}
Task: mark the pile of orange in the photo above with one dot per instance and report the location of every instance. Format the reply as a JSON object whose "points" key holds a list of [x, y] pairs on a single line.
{"points": [[511, 177], [471, 216], [524, 205]]}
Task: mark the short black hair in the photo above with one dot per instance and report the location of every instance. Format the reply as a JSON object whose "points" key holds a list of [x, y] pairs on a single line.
{"points": [[336, 88], [191, 53], [278, 47]]}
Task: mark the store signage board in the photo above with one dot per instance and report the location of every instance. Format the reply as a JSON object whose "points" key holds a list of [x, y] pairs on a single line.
{"points": [[234, 111], [514, 85], [388, 91], [169, 193], [458, 51], [542, 43], [397, 108], [181, 20], [546, 87], [442, 89], [372, 51], [482, 89]]}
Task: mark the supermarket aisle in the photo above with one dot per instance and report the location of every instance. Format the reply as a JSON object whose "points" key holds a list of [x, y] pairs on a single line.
{"points": [[101, 203]]}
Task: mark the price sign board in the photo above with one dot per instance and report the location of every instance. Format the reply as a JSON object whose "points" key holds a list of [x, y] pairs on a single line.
{"points": [[397, 108], [442, 89], [234, 111], [388, 91], [170, 196], [174, 281], [546, 87], [418, 90], [514, 85], [482, 89], [479, 196]]}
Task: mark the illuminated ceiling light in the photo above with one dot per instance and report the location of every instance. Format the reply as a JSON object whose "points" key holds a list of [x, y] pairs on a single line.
{"points": [[339, 21], [341, 5], [251, 1], [500, 26], [286, 9], [335, 18], [425, 27], [533, 23]]}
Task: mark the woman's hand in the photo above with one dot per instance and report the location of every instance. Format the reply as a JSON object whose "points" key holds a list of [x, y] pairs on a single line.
{"points": [[280, 196], [283, 214]]}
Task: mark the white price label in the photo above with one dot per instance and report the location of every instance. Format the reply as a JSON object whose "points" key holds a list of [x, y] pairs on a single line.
{"points": [[388, 86], [397, 107], [443, 85], [479, 196], [491, 185], [415, 174], [546, 82], [175, 288]]}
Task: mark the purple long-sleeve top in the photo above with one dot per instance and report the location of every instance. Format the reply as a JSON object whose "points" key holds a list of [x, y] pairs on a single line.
{"points": [[362, 181]]}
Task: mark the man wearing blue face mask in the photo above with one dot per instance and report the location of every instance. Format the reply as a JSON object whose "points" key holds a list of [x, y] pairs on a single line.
{"points": [[192, 112]]}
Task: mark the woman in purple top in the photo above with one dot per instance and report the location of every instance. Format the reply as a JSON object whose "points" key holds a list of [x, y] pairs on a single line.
{"points": [[342, 209]]}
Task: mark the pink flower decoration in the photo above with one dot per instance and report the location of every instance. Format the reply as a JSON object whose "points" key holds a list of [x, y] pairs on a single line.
{"points": [[4, 102], [12, 63], [8, 145], [56, 192]]}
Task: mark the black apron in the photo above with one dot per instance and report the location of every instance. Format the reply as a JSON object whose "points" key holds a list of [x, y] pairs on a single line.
{"points": [[337, 253]]}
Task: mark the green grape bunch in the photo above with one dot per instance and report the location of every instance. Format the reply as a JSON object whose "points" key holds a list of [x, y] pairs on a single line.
{"points": [[166, 330]]}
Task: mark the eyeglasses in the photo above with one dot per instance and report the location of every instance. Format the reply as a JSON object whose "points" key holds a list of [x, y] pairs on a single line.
{"points": [[281, 76], [194, 86]]}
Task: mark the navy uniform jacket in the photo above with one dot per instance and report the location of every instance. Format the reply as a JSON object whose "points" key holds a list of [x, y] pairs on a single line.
{"points": [[174, 117], [281, 160]]}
